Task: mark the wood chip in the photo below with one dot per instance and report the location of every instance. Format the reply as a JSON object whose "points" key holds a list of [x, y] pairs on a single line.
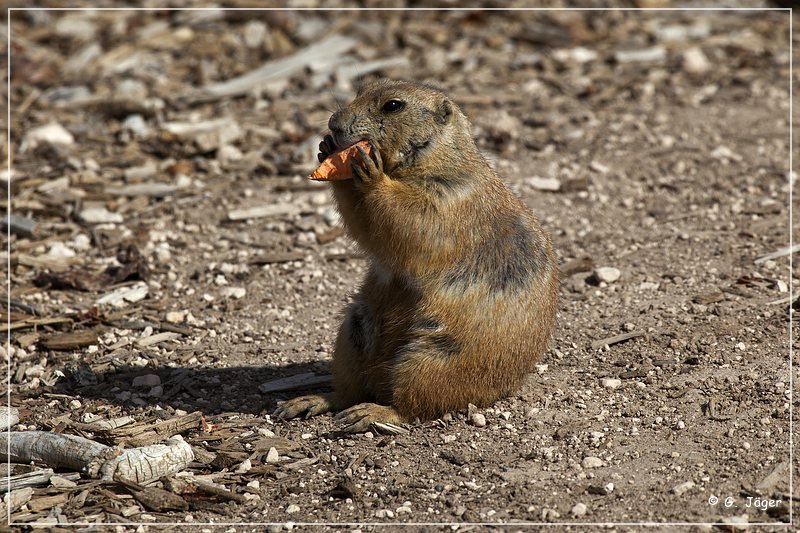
{"points": [[44, 503], [616, 339], [277, 257], [69, 341], [299, 381], [36, 478], [215, 490], [709, 297], [263, 211], [19, 226], [15, 500], [153, 190], [149, 433], [778, 253], [779, 473], [9, 416], [158, 337], [160, 500], [327, 50], [580, 264]]}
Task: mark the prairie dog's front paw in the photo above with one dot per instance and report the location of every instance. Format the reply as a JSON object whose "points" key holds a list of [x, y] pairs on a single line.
{"points": [[367, 168], [326, 148]]}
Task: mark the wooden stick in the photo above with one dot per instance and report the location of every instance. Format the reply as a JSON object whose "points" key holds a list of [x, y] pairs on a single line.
{"points": [[616, 339]]}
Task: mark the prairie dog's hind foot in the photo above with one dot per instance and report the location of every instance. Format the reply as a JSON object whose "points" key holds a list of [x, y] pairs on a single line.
{"points": [[359, 418], [311, 405]]}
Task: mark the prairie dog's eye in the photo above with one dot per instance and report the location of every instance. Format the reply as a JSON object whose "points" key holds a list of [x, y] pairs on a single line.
{"points": [[393, 106]]}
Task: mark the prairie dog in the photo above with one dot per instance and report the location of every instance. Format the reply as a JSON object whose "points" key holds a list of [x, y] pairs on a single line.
{"points": [[460, 297]]}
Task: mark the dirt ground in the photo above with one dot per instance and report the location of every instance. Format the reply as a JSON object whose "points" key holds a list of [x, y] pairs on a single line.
{"points": [[653, 143]]}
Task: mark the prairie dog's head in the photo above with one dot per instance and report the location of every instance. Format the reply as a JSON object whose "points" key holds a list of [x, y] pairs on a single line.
{"points": [[409, 121]]}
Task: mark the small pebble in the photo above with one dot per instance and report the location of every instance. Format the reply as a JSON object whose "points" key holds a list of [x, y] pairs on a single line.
{"points": [[293, 508], [579, 510], [478, 420], [176, 317], [52, 133], [611, 383], [695, 61], [682, 487], [234, 292], [544, 184], [606, 274], [272, 456], [244, 467], [592, 462], [99, 215]]}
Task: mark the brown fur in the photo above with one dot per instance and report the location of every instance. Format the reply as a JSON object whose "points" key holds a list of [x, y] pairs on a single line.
{"points": [[460, 298]]}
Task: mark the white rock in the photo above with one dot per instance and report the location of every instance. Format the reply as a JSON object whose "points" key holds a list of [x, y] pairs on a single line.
{"points": [[656, 53], [599, 167], [606, 274], [578, 55], [293, 508], [59, 249], [544, 184], [244, 467], [723, 153], [694, 61], [234, 292], [611, 383], [131, 89], [77, 26], [53, 133], [229, 154], [148, 380], [81, 242], [100, 215], [254, 33], [272, 456], [680, 32], [175, 317], [592, 462], [737, 522], [478, 420], [579, 510], [683, 487], [123, 295], [136, 125]]}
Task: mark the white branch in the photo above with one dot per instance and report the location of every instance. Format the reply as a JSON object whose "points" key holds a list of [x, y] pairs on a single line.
{"points": [[138, 465]]}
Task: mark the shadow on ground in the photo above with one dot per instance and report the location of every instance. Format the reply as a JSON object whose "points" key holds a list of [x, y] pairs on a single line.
{"points": [[210, 390]]}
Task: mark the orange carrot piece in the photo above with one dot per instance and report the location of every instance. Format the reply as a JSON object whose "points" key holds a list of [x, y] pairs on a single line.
{"points": [[337, 165]]}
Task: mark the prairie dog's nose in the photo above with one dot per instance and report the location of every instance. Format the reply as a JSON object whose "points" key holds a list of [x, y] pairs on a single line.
{"points": [[336, 122]]}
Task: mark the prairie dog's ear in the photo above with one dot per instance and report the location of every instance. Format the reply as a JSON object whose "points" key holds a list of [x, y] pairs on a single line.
{"points": [[445, 113]]}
